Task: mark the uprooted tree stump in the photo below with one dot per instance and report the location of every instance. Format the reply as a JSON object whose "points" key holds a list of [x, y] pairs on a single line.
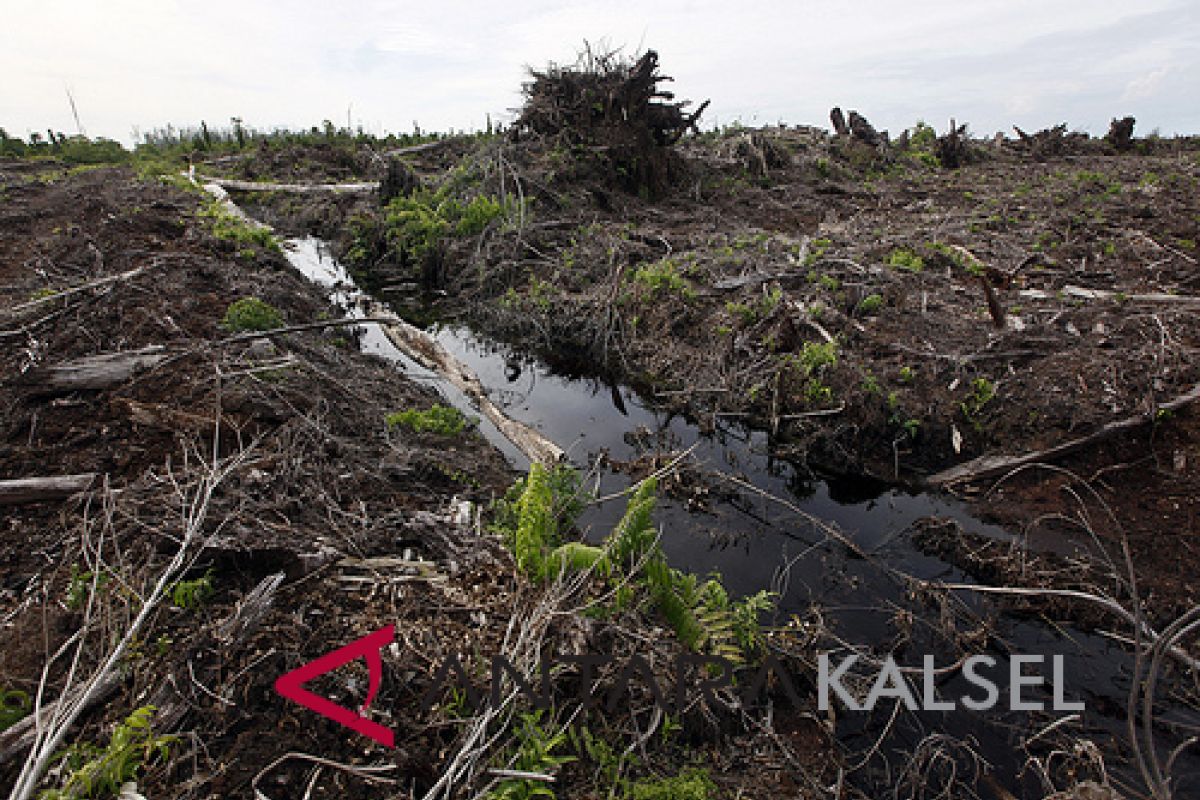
{"points": [[613, 109], [839, 122], [760, 153], [1120, 133], [864, 131], [1049, 141], [857, 127], [954, 149]]}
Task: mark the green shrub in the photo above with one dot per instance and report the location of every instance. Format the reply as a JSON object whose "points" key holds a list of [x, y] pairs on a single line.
{"points": [[749, 313], [533, 517], [906, 259], [690, 784], [922, 144], [816, 357], [811, 363], [439, 419], [71, 149], [413, 227], [536, 529], [817, 250], [476, 215], [94, 771], [663, 277], [80, 587], [870, 304], [923, 137], [191, 594], [82, 150], [567, 501], [230, 227], [251, 314], [537, 747], [982, 393], [634, 537], [701, 613]]}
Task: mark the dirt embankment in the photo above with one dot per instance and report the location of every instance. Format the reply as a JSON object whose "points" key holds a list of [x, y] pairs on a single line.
{"points": [[314, 476]]}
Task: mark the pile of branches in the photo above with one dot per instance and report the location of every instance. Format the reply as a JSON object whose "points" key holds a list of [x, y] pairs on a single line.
{"points": [[1120, 134], [612, 107], [1049, 142], [953, 150]]}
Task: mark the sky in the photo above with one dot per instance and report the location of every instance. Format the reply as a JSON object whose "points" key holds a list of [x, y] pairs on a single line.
{"points": [[136, 65]]}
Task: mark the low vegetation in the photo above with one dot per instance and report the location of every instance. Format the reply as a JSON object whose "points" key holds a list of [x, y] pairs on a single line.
{"points": [[251, 314], [905, 259], [229, 227], [539, 511], [192, 593], [437, 419], [99, 771], [412, 229]]}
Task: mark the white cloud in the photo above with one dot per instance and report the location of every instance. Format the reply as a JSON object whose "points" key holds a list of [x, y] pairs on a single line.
{"points": [[1146, 85]]}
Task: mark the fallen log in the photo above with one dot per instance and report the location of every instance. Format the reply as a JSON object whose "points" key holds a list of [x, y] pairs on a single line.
{"points": [[35, 490], [222, 197], [93, 372], [162, 417], [364, 187], [17, 739], [988, 466], [424, 147], [250, 610], [426, 351], [40, 301], [756, 279], [1081, 293]]}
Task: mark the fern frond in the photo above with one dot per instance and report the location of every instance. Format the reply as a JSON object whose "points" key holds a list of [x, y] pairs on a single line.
{"points": [[634, 535], [578, 556], [535, 523]]}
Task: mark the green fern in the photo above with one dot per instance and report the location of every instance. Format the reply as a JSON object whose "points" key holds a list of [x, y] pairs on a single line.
{"points": [[191, 594], [702, 615], [673, 594], [93, 771], [537, 747], [536, 511], [717, 623], [746, 627], [535, 523], [634, 536], [579, 556]]}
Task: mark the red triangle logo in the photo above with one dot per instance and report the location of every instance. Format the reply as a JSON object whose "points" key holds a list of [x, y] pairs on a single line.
{"points": [[369, 647]]}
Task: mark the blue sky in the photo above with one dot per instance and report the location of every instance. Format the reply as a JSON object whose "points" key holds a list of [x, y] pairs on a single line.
{"points": [[134, 64]]}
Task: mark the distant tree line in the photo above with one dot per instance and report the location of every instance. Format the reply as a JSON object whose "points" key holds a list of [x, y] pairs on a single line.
{"points": [[71, 149], [179, 142]]}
